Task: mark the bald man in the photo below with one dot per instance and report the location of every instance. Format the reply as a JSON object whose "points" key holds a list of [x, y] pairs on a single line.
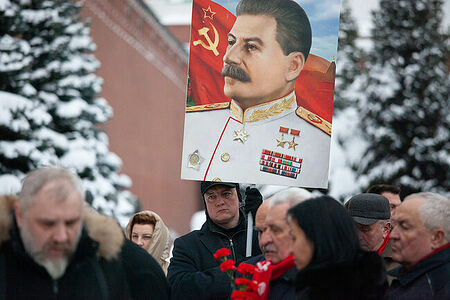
{"points": [[275, 268], [420, 243], [260, 220]]}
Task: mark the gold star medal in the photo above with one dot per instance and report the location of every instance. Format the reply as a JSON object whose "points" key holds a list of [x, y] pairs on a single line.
{"points": [[240, 135], [195, 160], [292, 144], [281, 142]]}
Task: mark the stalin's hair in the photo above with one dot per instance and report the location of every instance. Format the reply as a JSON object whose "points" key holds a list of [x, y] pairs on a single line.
{"points": [[293, 27]]}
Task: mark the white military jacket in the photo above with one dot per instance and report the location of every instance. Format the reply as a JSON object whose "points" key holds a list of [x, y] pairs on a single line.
{"points": [[275, 142]]}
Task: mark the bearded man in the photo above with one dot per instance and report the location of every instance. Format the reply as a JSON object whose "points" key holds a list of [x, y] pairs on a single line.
{"points": [[56, 247]]}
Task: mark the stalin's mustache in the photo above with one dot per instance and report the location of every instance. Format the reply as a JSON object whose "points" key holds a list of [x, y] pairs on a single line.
{"points": [[235, 73]]}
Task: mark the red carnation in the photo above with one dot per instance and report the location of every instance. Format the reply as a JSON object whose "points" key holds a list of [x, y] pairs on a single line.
{"points": [[246, 284], [221, 253], [227, 265], [243, 281], [243, 295], [246, 269]]}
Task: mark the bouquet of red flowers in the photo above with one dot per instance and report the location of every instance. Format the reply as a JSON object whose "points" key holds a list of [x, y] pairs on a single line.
{"points": [[243, 287]]}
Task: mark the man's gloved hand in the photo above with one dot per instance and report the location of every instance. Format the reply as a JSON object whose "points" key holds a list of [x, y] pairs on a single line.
{"points": [[253, 200]]}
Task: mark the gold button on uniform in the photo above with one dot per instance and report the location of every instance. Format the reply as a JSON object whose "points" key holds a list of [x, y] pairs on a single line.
{"points": [[217, 180], [225, 157]]}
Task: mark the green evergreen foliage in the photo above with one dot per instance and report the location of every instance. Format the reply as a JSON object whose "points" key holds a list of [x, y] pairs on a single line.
{"points": [[405, 109], [46, 56], [349, 61]]}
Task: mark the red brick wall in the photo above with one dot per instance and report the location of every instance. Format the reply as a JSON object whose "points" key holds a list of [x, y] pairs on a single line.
{"points": [[144, 81], [181, 32]]}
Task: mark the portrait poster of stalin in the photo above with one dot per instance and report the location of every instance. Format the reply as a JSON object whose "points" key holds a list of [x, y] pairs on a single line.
{"points": [[260, 91]]}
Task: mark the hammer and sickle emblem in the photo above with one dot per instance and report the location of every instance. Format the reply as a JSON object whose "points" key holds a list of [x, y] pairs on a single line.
{"points": [[211, 45]]}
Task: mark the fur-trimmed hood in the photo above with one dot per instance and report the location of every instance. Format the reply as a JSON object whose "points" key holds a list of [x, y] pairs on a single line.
{"points": [[102, 229]]}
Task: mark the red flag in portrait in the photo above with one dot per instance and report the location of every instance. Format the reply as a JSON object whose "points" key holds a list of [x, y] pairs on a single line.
{"points": [[210, 25], [314, 88]]}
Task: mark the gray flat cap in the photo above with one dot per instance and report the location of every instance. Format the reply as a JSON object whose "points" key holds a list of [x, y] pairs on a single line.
{"points": [[368, 208]]}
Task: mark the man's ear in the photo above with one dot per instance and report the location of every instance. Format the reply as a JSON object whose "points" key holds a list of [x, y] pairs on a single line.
{"points": [[386, 229], [296, 62], [18, 214], [438, 238]]}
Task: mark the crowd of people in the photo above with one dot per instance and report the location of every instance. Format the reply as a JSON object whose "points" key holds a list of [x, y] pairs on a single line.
{"points": [[54, 246]]}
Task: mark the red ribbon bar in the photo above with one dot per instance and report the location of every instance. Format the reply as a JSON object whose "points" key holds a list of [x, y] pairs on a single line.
{"points": [[284, 129], [295, 132], [285, 156], [276, 154], [268, 152]]}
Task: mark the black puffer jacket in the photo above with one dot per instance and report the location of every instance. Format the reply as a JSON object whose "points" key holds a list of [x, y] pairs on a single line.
{"points": [[194, 273], [363, 278]]}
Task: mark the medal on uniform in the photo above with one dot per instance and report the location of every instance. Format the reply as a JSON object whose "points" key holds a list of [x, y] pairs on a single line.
{"points": [[281, 142], [280, 164], [292, 144], [240, 135], [195, 160]]}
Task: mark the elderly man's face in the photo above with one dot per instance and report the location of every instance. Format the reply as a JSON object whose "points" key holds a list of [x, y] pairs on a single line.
{"points": [[371, 237], [222, 204], [276, 241], [50, 229], [410, 240], [262, 66], [260, 220]]}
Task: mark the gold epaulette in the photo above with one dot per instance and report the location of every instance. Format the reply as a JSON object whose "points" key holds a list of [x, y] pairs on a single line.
{"points": [[207, 107], [314, 119]]}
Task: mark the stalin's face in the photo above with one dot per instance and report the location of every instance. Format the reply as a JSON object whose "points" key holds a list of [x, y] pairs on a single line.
{"points": [[255, 68]]}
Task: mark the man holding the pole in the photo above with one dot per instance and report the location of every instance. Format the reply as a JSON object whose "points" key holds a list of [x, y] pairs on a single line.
{"points": [[193, 271]]}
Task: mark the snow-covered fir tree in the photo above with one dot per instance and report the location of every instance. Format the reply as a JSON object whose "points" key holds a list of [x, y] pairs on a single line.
{"points": [[405, 111], [347, 143], [349, 59], [46, 57]]}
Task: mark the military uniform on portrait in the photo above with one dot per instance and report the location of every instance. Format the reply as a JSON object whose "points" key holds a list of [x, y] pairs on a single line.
{"points": [[276, 142]]}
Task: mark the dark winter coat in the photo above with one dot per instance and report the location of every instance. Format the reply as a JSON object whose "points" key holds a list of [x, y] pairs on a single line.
{"points": [[363, 278], [194, 273], [94, 272], [103, 266], [282, 287], [145, 276], [428, 279], [389, 263]]}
